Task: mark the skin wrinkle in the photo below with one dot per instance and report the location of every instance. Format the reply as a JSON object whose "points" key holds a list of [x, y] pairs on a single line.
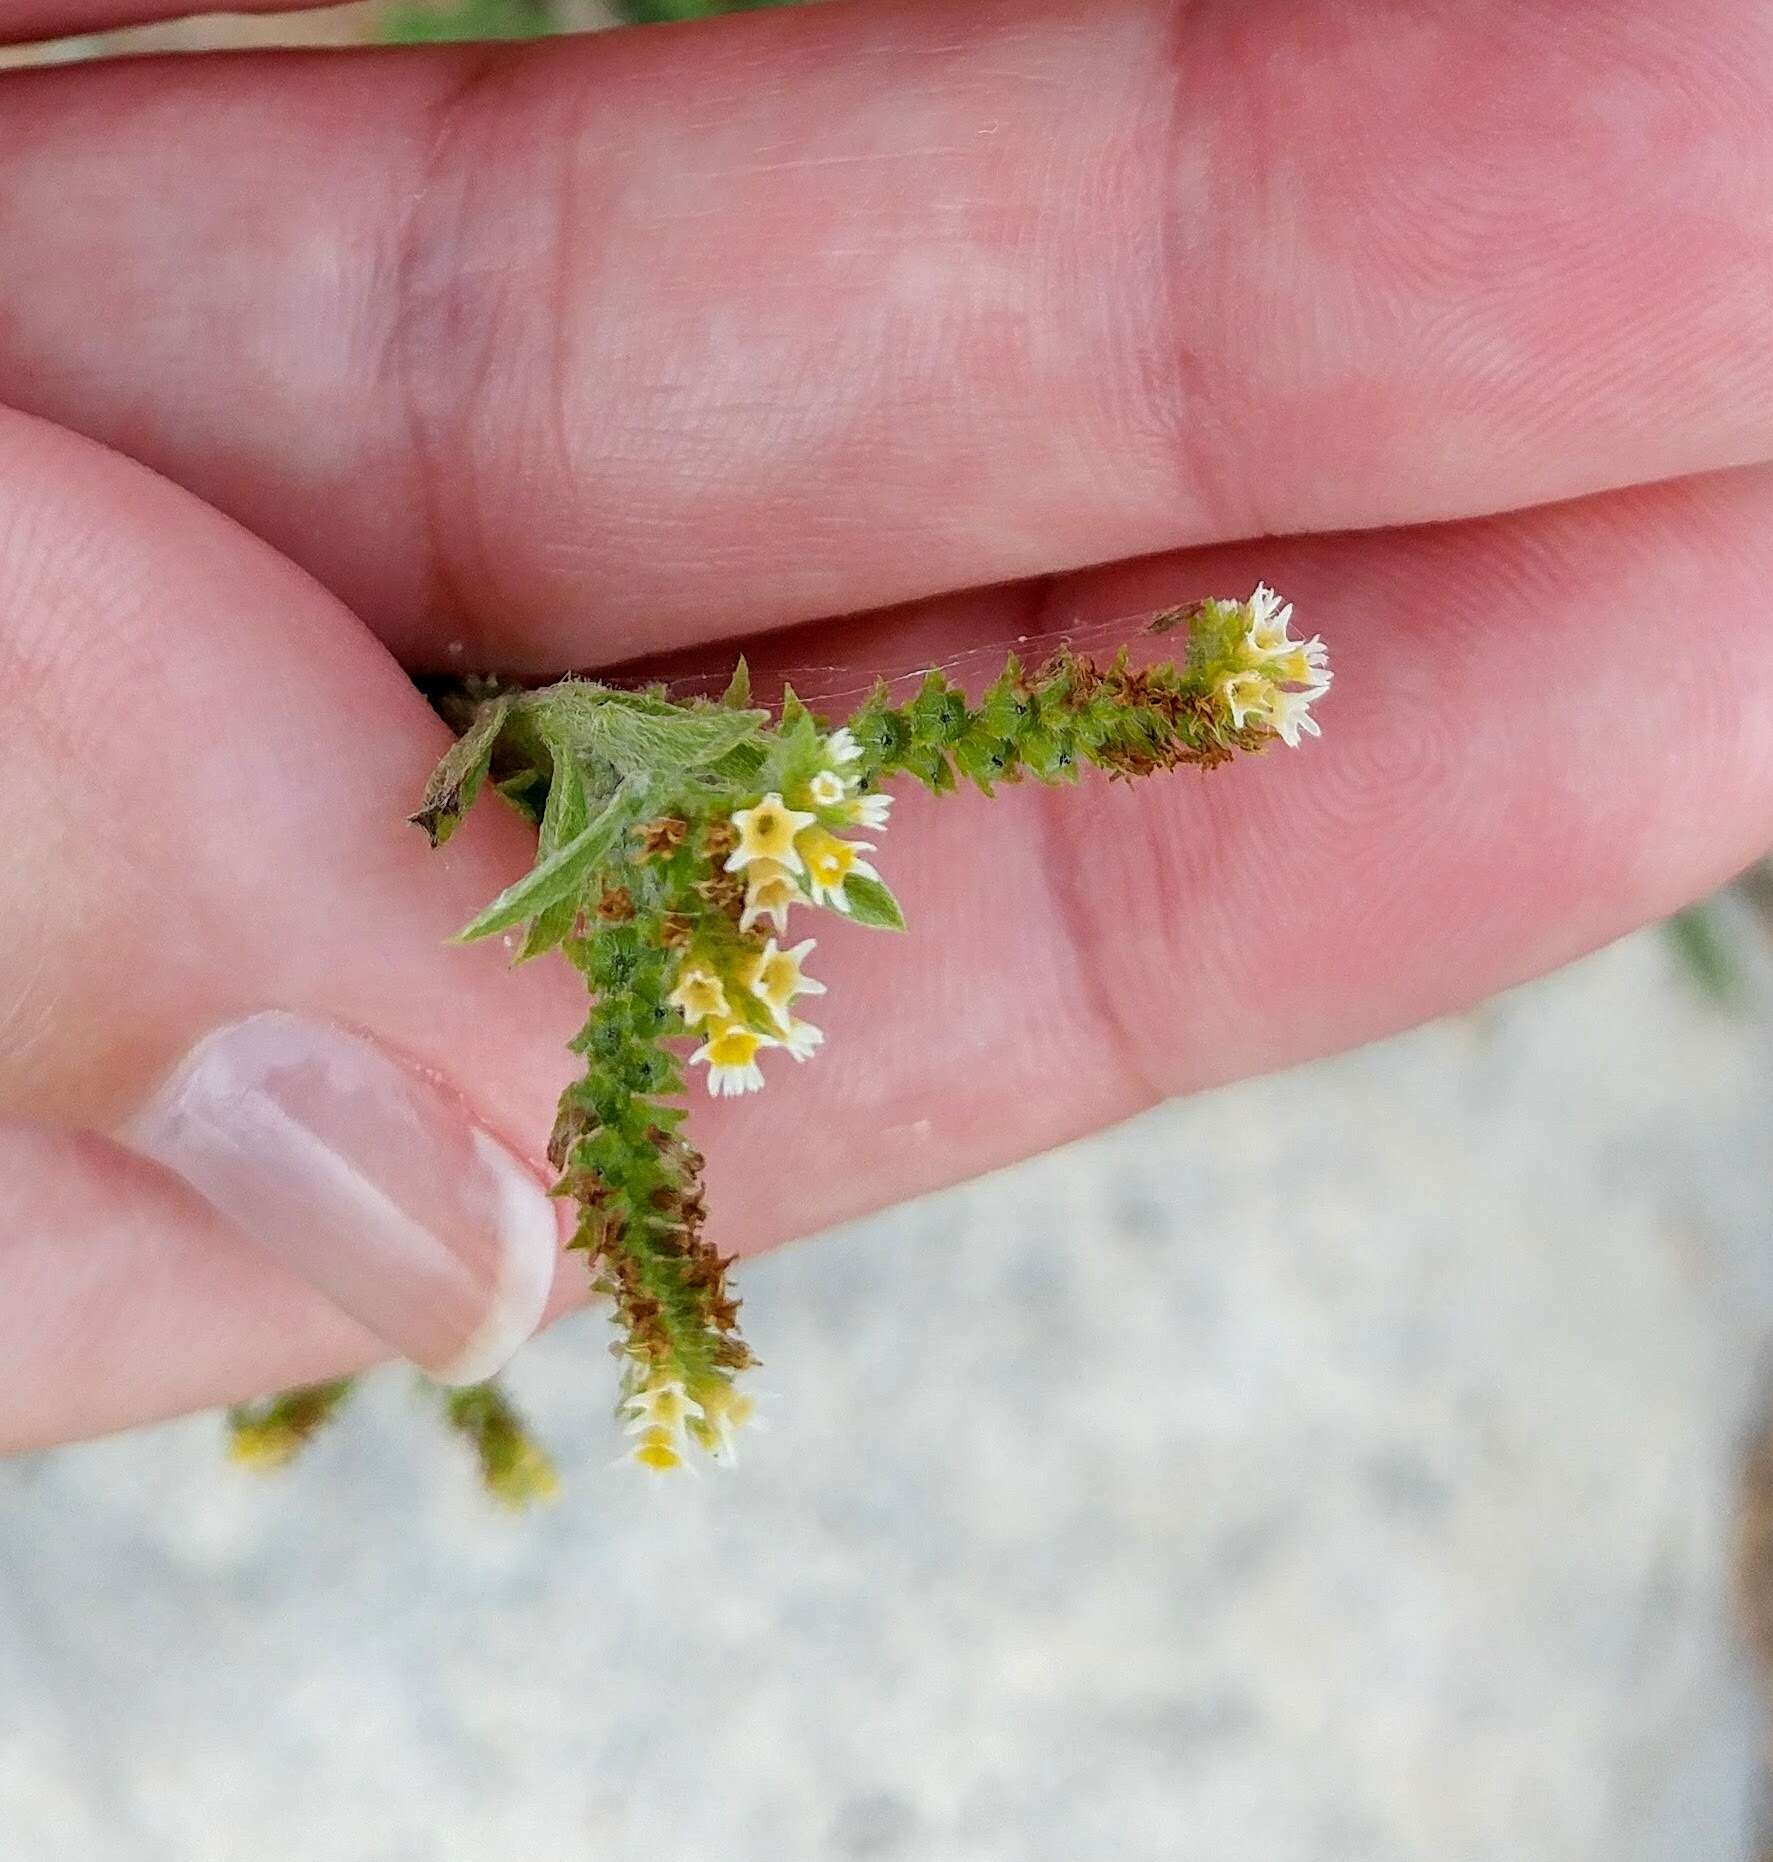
{"points": [[1070, 849], [1198, 411], [563, 276], [1071, 844], [424, 370]]}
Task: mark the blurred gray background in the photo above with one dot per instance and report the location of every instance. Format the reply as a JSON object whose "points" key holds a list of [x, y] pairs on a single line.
{"points": [[1340, 1466]]}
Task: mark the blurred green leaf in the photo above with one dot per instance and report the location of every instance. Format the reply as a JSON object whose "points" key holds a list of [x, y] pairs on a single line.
{"points": [[1699, 940], [657, 12], [470, 19]]}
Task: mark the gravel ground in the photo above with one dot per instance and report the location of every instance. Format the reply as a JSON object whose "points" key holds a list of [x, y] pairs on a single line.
{"points": [[1341, 1466]]}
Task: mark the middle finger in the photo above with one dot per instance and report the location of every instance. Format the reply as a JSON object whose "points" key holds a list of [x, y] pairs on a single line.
{"points": [[591, 349]]}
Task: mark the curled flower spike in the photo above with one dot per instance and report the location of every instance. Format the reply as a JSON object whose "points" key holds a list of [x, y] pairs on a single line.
{"points": [[731, 1055], [699, 995], [766, 832], [674, 840], [829, 864]]}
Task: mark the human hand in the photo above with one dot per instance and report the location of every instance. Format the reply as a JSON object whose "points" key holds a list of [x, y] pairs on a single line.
{"points": [[638, 344]]}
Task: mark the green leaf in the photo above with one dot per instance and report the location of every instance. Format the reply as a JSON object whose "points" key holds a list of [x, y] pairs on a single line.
{"points": [[1703, 947], [640, 739], [562, 821], [563, 874], [871, 904], [568, 811], [456, 780], [737, 696]]}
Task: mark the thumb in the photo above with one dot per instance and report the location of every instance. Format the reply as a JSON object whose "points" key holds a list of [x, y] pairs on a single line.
{"points": [[220, 942]]}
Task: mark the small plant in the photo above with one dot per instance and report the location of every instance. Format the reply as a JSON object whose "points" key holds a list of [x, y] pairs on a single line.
{"points": [[675, 842]]}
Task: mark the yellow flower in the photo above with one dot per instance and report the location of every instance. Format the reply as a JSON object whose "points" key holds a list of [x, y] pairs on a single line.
{"points": [[699, 994], [658, 1449], [1269, 646], [1244, 695], [766, 832], [829, 862], [774, 977], [1250, 695], [1304, 664], [726, 1410], [769, 891], [731, 1053], [826, 789]]}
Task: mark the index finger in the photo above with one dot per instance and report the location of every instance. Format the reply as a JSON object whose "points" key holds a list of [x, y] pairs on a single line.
{"points": [[1488, 800], [579, 351]]}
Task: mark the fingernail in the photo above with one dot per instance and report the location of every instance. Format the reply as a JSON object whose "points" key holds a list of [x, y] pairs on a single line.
{"points": [[369, 1179]]}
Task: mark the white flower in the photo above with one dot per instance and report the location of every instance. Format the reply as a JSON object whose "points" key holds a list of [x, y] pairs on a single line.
{"points": [[826, 789], [769, 891], [1306, 665], [1244, 695], [870, 811], [1253, 696], [1273, 679], [1289, 713], [731, 1053], [666, 1405], [830, 862], [1270, 646], [1269, 619], [661, 1413], [699, 994], [800, 1038], [1305, 662], [774, 977], [660, 1450], [766, 832], [841, 748]]}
